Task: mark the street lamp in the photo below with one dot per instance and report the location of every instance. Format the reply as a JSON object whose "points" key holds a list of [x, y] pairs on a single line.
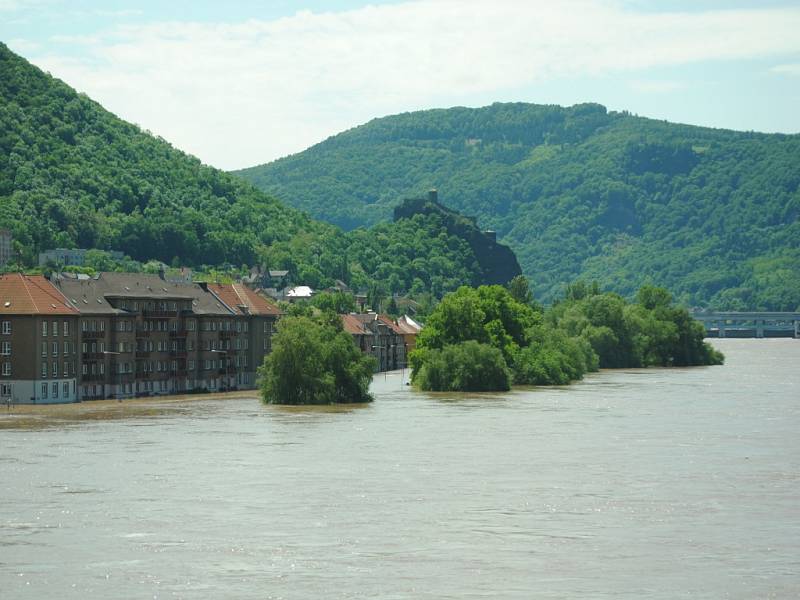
{"points": [[227, 381]]}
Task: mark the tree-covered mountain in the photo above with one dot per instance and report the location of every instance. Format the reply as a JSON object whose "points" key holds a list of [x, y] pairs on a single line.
{"points": [[74, 175], [579, 192]]}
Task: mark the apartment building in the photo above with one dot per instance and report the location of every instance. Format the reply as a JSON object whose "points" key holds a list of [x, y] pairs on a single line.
{"points": [[141, 335], [378, 336], [38, 342]]}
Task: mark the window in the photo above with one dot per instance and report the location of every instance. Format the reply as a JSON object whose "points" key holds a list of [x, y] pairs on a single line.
{"points": [[66, 332], [66, 390], [238, 326], [44, 328], [66, 369], [55, 369], [246, 343], [246, 326], [102, 368], [84, 326], [6, 327], [5, 349], [44, 369], [44, 390], [66, 348], [84, 347], [102, 325], [55, 328], [6, 369], [102, 347], [55, 390], [85, 369], [55, 348], [5, 390]]}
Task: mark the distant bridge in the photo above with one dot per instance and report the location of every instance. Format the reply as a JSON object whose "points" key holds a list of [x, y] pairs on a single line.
{"points": [[750, 324]]}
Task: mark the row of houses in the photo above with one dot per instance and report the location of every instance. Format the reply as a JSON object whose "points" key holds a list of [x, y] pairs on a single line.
{"points": [[124, 335], [389, 341]]}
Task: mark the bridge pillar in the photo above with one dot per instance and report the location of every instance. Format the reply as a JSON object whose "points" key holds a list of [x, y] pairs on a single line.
{"points": [[721, 328], [797, 329], [759, 328]]}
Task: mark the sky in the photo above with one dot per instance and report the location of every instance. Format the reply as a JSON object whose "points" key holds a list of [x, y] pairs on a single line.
{"points": [[243, 83]]}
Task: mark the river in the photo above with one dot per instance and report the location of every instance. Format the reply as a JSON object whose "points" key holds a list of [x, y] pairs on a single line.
{"points": [[653, 483]]}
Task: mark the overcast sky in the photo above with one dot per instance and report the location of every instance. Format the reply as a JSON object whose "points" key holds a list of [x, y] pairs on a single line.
{"points": [[242, 83]]}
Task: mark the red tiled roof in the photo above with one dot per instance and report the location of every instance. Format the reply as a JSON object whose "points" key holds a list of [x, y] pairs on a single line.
{"points": [[353, 325], [238, 296], [31, 295], [387, 320]]}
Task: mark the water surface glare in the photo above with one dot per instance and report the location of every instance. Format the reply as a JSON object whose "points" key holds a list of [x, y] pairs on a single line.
{"points": [[656, 483]]}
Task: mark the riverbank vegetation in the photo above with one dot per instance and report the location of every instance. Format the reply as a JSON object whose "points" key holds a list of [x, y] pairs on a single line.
{"points": [[487, 330], [314, 362]]}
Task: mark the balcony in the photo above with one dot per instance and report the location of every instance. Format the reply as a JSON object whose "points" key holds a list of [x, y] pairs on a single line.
{"points": [[160, 314], [93, 355], [227, 334], [180, 333], [142, 353], [92, 335], [178, 353]]}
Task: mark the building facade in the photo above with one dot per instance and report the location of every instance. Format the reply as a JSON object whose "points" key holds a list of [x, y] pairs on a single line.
{"points": [[38, 342], [378, 336], [124, 335], [141, 335]]}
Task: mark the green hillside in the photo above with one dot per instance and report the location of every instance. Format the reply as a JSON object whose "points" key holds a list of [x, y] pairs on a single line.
{"points": [[74, 175], [579, 192]]}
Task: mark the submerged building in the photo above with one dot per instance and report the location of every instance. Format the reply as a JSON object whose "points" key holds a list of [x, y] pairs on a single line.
{"points": [[128, 334]]}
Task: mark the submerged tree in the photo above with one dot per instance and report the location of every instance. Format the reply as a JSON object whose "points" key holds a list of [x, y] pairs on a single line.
{"points": [[314, 362]]}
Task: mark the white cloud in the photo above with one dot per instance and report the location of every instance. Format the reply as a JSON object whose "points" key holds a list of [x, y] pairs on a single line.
{"points": [[790, 69], [240, 93], [656, 86]]}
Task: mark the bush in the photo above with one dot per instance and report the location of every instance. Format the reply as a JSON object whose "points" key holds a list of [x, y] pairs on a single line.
{"points": [[466, 367]]}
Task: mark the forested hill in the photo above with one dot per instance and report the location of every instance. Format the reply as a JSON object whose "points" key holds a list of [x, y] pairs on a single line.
{"points": [[74, 175], [579, 192]]}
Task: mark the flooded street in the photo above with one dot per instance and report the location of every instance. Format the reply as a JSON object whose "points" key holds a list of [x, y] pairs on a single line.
{"points": [[656, 483]]}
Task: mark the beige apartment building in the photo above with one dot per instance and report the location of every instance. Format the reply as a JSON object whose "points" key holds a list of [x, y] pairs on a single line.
{"points": [[137, 335]]}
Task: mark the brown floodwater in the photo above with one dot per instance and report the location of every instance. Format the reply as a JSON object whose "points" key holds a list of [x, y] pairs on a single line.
{"points": [[654, 483]]}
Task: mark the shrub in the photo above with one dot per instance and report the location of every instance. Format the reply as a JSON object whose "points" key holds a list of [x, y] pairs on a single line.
{"points": [[465, 367]]}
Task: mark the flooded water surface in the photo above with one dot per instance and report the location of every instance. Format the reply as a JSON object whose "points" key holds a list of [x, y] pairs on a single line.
{"points": [[652, 483]]}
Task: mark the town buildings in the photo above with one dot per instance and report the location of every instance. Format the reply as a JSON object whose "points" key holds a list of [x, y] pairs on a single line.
{"points": [[70, 256], [122, 335], [6, 247], [378, 336]]}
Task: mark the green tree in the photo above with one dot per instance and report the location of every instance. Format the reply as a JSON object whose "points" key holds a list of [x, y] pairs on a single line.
{"points": [[520, 289], [468, 366], [314, 363]]}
